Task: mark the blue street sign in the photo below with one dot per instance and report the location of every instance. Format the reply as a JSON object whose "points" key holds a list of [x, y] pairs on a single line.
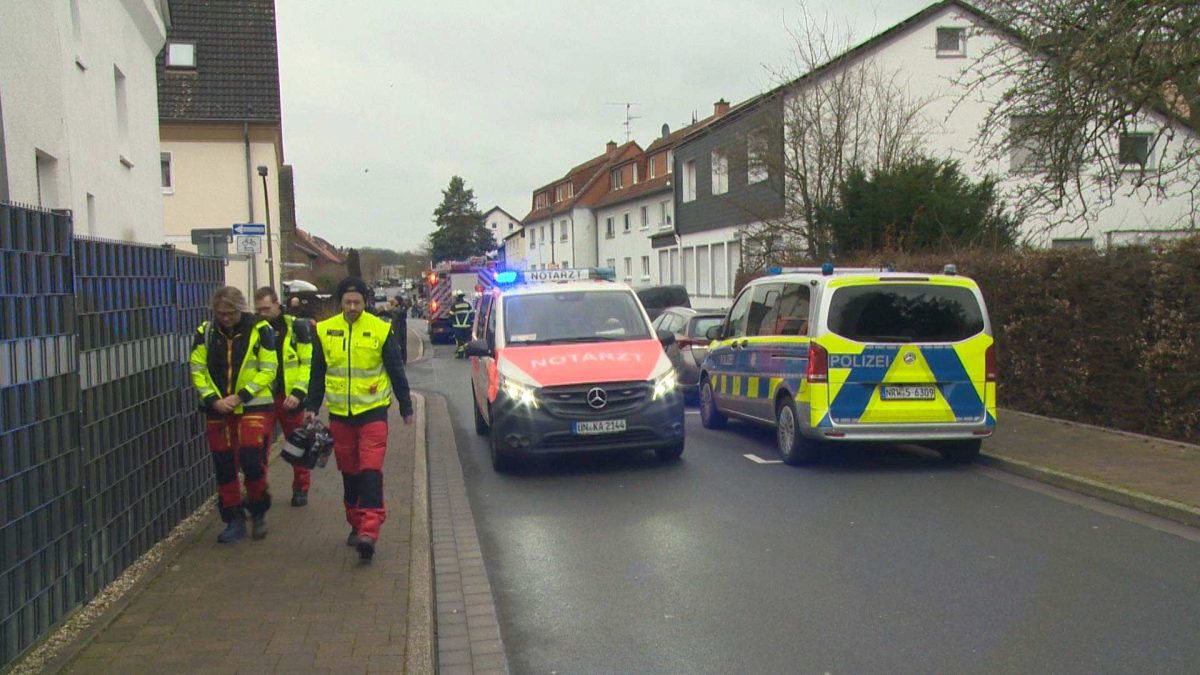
{"points": [[249, 229]]}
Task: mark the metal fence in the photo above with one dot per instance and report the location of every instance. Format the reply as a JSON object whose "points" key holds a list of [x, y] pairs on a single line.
{"points": [[101, 444]]}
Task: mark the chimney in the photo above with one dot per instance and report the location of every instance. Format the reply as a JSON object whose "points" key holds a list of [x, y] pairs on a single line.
{"points": [[720, 108], [612, 145], [666, 131]]}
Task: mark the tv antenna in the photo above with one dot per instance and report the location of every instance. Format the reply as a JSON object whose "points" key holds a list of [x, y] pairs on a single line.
{"points": [[629, 118]]}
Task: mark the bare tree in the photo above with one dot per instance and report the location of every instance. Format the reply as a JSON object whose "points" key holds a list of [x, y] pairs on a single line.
{"points": [[837, 111], [1102, 95]]}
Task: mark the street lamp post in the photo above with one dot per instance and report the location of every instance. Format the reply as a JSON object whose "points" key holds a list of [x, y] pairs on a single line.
{"points": [[262, 171]]}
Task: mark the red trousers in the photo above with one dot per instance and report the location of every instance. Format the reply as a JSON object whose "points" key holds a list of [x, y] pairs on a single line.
{"points": [[360, 451], [289, 421], [240, 442]]}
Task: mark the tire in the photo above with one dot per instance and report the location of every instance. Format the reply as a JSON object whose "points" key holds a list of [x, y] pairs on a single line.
{"points": [[481, 426], [502, 461], [960, 452], [793, 446], [710, 416], [670, 454]]}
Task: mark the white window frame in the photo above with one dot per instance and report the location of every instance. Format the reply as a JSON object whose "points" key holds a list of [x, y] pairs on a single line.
{"points": [[651, 168], [610, 230], [615, 179], [689, 181], [959, 52], [170, 53], [720, 172], [628, 268], [645, 217], [627, 222], [1151, 162], [670, 161], [645, 268], [169, 188]]}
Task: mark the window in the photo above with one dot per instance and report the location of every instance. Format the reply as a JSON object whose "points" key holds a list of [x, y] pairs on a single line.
{"points": [[664, 208], [564, 191], [511, 225], [609, 230], [645, 217], [611, 263], [1025, 157], [789, 316], [614, 179], [670, 161], [720, 172], [636, 177], [653, 166], [686, 268], [756, 156], [762, 308], [540, 317], [562, 228], [212, 242], [719, 288], [703, 270], [542, 200], [627, 222], [689, 180], [629, 268], [566, 264], [735, 325], [645, 267], [951, 42], [1134, 150], [165, 160], [91, 214], [47, 180], [181, 54], [905, 313]]}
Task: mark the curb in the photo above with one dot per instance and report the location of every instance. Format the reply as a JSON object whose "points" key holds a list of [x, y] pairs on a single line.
{"points": [[422, 355], [1157, 506], [421, 627]]}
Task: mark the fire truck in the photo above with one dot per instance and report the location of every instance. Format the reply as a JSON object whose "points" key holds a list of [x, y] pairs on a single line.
{"points": [[473, 277]]}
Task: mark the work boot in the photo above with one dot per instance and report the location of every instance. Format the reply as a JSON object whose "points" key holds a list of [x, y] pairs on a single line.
{"points": [[258, 526], [234, 530], [299, 497], [352, 540], [366, 548]]}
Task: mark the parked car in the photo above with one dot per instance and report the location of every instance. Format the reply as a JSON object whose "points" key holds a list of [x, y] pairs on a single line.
{"points": [[657, 298], [691, 346]]}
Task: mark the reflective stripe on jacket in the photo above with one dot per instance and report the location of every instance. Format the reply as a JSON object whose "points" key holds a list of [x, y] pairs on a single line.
{"points": [[249, 352], [461, 315], [297, 356], [355, 379]]}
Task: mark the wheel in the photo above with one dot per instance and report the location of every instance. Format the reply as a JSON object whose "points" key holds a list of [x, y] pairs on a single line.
{"points": [[960, 452], [793, 446], [710, 417], [481, 426], [671, 454], [502, 461]]}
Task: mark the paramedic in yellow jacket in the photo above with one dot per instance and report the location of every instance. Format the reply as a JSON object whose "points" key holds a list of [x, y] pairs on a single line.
{"points": [[233, 365], [357, 368], [293, 347]]}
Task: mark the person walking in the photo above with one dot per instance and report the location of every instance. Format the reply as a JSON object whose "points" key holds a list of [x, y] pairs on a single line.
{"points": [[293, 347], [233, 366], [358, 366], [399, 315], [460, 320]]}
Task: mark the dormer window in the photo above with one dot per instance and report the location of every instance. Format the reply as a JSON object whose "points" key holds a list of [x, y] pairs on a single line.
{"points": [[614, 179], [181, 55], [951, 41]]}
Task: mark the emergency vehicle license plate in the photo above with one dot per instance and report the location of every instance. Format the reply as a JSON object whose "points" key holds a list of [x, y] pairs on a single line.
{"points": [[599, 427], [906, 392]]}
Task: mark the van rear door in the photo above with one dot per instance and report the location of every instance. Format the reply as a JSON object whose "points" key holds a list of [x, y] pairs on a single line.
{"points": [[912, 350]]}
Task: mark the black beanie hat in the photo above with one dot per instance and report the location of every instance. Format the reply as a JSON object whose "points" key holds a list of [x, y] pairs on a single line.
{"points": [[351, 285]]}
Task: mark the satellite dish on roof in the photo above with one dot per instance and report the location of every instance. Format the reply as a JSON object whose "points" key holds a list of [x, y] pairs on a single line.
{"points": [[666, 130]]}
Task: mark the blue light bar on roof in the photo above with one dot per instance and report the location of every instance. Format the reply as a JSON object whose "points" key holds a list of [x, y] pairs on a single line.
{"points": [[506, 278]]}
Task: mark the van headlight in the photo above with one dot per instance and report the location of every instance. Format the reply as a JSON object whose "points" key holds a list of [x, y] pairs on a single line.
{"points": [[520, 394], [664, 385]]}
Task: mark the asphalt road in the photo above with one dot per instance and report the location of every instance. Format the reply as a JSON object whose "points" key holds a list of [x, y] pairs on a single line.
{"points": [[884, 560]]}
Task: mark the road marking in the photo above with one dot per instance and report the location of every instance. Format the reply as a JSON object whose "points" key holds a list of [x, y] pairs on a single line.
{"points": [[759, 460], [691, 412]]}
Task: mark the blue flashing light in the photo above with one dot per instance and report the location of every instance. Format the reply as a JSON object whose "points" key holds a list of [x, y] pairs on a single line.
{"points": [[827, 269], [774, 270], [505, 278], [605, 273]]}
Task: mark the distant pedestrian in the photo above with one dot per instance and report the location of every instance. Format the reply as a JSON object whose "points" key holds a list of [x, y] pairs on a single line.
{"points": [[293, 347], [399, 314], [357, 362], [233, 365]]}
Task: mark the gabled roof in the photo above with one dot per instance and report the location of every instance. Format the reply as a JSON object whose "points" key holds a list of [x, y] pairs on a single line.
{"points": [[317, 247], [237, 62], [647, 187], [581, 177], [497, 208]]}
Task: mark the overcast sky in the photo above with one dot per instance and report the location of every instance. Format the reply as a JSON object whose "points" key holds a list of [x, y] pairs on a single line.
{"points": [[385, 100]]}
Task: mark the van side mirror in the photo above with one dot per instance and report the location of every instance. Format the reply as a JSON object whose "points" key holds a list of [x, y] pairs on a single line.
{"points": [[666, 337], [478, 348], [714, 332]]}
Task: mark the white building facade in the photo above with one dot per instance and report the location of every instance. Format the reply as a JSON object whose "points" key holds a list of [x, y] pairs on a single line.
{"points": [[79, 112]]}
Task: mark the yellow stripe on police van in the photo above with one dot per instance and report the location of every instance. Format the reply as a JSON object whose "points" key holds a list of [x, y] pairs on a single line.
{"points": [[752, 391]]}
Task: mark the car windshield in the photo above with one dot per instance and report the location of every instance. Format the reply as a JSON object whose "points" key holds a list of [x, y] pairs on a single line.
{"points": [[701, 325], [573, 316], [905, 313]]}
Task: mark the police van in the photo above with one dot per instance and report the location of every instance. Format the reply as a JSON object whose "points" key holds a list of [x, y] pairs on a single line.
{"points": [[566, 361], [831, 356]]}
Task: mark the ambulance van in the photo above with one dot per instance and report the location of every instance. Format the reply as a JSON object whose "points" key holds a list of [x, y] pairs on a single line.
{"points": [[565, 361], [831, 356]]}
